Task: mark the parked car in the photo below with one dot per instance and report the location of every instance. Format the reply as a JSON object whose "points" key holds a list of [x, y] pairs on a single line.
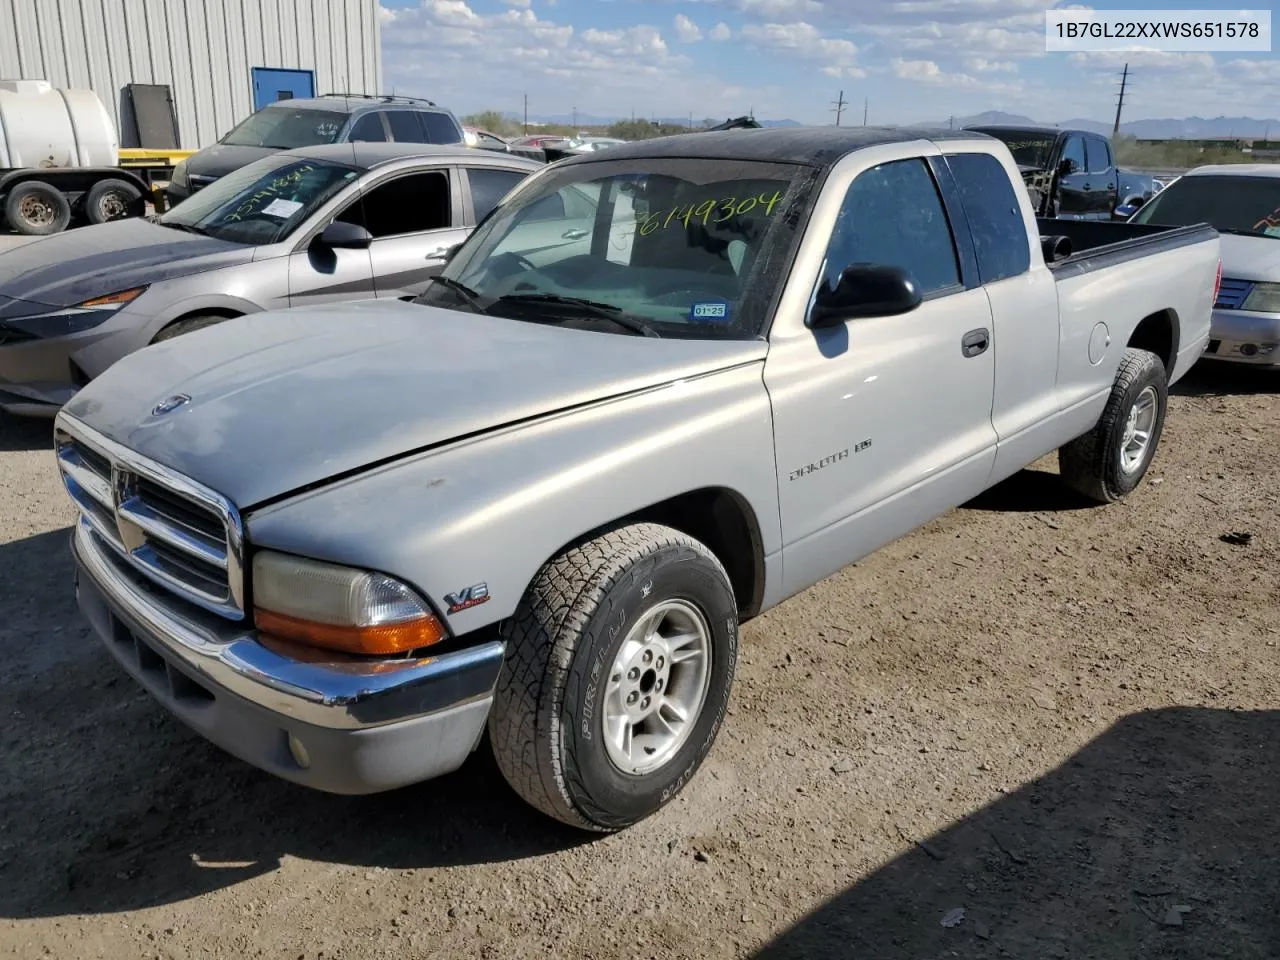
{"points": [[1243, 202], [1070, 174], [344, 541], [484, 140], [312, 225], [312, 121]]}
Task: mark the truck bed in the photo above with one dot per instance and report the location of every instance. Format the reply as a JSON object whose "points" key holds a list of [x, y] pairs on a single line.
{"points": [[1096, 244]]}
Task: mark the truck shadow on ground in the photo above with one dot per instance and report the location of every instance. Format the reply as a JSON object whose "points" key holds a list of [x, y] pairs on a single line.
{"points": [[1216, 379], [1030, 491], [108, 803], [25, 433], [1157, 839]]}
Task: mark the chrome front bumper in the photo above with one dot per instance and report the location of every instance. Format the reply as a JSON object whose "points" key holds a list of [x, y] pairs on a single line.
{"points": [[343, 727], [1241, 336]]}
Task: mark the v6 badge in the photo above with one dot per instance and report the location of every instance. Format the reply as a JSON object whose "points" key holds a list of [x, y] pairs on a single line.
{"points": [[471, 596]]}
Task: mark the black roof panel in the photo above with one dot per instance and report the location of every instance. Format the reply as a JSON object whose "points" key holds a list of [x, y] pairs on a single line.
{"points": [[815, 146]]}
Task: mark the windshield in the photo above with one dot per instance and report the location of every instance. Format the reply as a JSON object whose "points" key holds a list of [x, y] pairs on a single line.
{"points": [[283, 128], [1230, 204], [260, 203], [1028, 149], [689, 247]]}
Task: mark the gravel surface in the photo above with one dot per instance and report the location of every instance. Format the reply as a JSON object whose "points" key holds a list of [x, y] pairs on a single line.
{"points": [[1031, 729]]}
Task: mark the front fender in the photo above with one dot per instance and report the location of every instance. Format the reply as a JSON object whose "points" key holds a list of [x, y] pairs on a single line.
{"points": [[492, 510]]}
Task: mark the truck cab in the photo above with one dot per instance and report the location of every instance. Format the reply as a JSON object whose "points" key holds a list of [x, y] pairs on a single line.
{"points": [[1071, 174]]}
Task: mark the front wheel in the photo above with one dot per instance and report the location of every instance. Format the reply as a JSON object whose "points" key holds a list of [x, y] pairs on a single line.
{"points": [[619, 664], [37, 209], [1110, 460]]}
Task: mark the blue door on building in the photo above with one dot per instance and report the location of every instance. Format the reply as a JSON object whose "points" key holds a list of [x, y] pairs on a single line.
{"points": [[271, 84]]}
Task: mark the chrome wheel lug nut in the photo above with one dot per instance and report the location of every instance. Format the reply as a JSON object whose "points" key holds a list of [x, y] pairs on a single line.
{"points": [[632, 697]]}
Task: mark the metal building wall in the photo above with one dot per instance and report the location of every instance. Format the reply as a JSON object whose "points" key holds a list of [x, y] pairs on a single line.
{"points": [[203, 49]]}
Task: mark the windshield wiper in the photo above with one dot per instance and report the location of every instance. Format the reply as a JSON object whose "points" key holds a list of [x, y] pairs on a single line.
{"points": [[469, 296], [1236, 232], [592, 308], [172, 225]]}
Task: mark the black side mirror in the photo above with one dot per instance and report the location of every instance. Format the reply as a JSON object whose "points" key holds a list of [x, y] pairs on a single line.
{"points": [[864, 290], [340, 234]]}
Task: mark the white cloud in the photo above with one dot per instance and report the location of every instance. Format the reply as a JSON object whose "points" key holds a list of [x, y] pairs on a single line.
{"points": [[385, 15], [982, 65], [721, 32], [640, 40], [686, 30], [778, 9], [518, 3], [834, 56]]}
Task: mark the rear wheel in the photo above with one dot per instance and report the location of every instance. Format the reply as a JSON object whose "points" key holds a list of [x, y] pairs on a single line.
{"points": [[37, 209], [619, 664], [1110, 460], [113, 200], [197, 321]]}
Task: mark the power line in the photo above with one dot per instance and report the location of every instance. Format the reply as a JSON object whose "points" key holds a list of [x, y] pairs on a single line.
{"points": [[1124, 82], [838, 106]]}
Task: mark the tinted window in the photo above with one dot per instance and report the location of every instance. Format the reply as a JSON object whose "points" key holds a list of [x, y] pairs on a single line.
{"points": [[409, 204], [1235, 203], [405, 127], [490, 186], [1099, 155], [1074, 152], [995, 219], [440, 128], [892, 215], [369, 128]]}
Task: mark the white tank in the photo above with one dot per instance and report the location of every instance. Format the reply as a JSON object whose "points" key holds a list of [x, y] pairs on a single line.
{"points": [[41, 126]]}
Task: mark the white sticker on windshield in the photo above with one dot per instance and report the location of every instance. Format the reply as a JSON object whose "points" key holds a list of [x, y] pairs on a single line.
{"points": [[282, 208]]}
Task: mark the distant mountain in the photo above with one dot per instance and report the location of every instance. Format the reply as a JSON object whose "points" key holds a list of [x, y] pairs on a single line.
{"points": [[1191, 128], [592, 120]]}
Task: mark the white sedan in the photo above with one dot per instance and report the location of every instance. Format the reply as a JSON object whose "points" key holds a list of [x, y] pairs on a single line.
{"points": [[1243, 202]]}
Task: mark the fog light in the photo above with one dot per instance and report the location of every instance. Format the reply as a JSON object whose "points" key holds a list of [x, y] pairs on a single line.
{"points": [[1248, 349], [300, 755]]}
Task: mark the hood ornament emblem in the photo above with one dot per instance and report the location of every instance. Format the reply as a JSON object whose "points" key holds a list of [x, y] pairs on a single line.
{"points": [[169, 405]]}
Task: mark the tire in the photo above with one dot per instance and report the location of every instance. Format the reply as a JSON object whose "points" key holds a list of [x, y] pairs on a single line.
{"points": [[1096, 464], [37, 209], [197, 321], [553, 698], [109, 200]]}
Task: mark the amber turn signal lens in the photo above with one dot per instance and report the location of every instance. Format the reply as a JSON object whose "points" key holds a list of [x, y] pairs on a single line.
{"points": [[113, 299], [376, 640]]}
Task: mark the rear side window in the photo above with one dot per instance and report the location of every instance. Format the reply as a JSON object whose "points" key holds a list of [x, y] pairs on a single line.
{"points": [[995, 219], [893, 216], [405, 127], [440, 128], [490, 186], [1099, 155], [368, 129]]}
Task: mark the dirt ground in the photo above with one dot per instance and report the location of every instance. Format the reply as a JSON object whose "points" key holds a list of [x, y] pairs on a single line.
{"points": [[1061, 720]]}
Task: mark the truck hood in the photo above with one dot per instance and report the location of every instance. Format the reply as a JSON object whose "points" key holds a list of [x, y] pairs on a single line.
{"points": [[1250, 258], [286, 399], [71, 267]]}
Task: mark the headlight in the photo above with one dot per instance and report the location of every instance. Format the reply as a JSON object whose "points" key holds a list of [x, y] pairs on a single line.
{"points": [[83, 316], [1263, 298], [341, 608], [179, 176]]}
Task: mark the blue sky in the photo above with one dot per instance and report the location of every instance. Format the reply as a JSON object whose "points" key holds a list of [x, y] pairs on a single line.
{"points": [[914, 60]]}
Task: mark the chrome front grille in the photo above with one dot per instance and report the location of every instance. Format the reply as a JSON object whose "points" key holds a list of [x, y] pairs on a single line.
{"points": [[178, 533]]}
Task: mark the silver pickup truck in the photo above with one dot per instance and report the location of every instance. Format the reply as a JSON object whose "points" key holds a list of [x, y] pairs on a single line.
{"points": [[659, 390]]}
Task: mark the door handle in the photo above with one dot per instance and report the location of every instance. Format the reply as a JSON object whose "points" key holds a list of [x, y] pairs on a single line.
{"points": [[436, 254], [975, 342], [573, 233], [1088, 186]]}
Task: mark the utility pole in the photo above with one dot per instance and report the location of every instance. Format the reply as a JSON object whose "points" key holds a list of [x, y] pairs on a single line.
{"points": [[575, 118], [951, 122], [1124, 82], [526, 113], [864, 111], [838, 106]]}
